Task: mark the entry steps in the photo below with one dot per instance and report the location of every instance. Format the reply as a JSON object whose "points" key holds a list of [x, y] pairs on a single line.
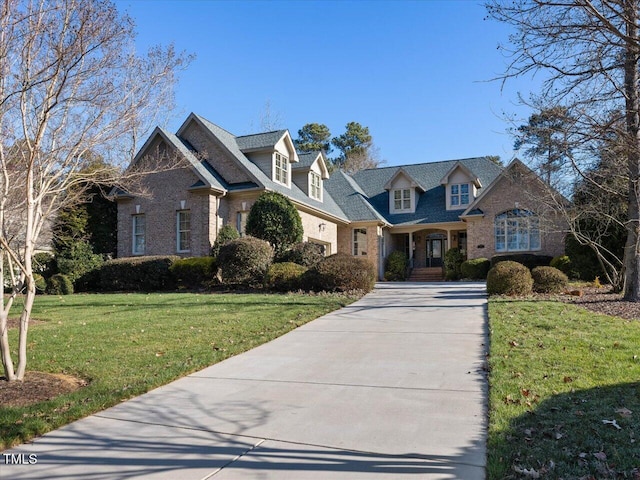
{"points": [[428, 274]]}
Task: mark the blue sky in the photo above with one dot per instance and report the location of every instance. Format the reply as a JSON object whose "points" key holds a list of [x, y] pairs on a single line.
{"points": [[415, 72]]}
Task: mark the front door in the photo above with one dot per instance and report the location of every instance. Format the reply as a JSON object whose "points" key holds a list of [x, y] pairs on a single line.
{"points": [[434, 252]]}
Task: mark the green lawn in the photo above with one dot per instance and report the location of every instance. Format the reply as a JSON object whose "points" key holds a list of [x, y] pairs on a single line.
{"points": [[127, 344], [559, 376]]}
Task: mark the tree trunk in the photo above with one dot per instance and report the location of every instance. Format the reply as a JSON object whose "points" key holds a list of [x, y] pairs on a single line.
{"points": [[7, 363], [632, 248]]}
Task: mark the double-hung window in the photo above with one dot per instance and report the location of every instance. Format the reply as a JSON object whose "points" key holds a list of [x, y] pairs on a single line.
{"points": [[402, 199], [359, 241], [282, 169], [183, 230], [459, 194], [316, 186], [517, 231], [139, 234]]}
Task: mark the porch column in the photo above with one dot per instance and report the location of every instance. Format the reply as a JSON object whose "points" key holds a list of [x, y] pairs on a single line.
{"points": [[448, 241], [411, 249]]}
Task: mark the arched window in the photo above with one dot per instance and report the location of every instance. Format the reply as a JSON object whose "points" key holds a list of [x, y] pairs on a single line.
{"points": [[517, 231]]}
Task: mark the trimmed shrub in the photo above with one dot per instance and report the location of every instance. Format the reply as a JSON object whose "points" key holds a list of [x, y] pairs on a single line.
{"points": [[475, 269], [78, 260], [548, 280], [584, 261], [245, 261], [44, 264], [194, 272], [59, 284], [41, 283], [341, 273], [562, 263], [509, 278], [275, 219], [138, 274], [285, 276], [225, 235], [306, 254], [529, 260], [452, 261], [396, 266]]}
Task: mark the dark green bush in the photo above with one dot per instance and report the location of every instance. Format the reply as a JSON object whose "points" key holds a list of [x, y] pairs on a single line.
{"points": [[396, 266], [341, 273], [59, 284], [562, 263], [475, 269], [509, 278], [138, 274], [245, 261], [584, 261], [44, 264], [225, 235], [452, 261], [275, 219], [529, 260], [41, 283], [548, 280], [285, 276], [306, 254], [78, 260], [193, 273]]}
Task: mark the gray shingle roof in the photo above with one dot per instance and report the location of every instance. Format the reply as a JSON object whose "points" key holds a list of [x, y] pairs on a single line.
{"points": [[259, 141], [306, 159], [350, 197], [431, 207]]}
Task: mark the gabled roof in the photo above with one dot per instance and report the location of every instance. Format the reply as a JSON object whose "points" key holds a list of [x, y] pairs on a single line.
{"points": [[351, 199], [307, 159], [402, 172], [431, 205], [459, 165]]}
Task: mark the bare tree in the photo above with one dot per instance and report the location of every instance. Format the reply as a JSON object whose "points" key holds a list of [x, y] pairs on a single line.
{"points": [[588, 52], [70, 83]]}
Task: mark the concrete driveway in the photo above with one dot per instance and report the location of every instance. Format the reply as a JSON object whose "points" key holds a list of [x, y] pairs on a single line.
{"points": [[392, 386]]}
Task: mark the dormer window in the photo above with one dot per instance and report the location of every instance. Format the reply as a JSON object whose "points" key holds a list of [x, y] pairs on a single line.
{"points": [[315, 186], [281, 169], [459, 194], [402, 199]]}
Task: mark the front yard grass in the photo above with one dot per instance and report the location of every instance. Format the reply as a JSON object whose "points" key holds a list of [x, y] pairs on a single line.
{"points": [[126, 344], [564, 397]]}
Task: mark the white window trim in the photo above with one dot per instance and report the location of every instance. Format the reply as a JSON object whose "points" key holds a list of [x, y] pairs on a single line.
{"points": [[282, 170], [240, 225], [312, 186], [356, 248], [179, 232], [134, 235], [522, 222], [460, 205], [402, 200]]}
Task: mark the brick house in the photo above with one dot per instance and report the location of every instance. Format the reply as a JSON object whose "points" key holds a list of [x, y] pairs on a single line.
{"points": [[421, 209]]}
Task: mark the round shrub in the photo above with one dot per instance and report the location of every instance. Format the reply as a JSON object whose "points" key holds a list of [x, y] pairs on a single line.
{"points": [[245, 261], [44, 264], [341, 273], [396, 266], [275, 219], [303, 253], [225, 235], [285, 276], [59, 284], [562, 263], [137, 274], [41, 283], [509, 278], [548, 280], [475, 269], [452, 261], [78, 260], [194, 272]]}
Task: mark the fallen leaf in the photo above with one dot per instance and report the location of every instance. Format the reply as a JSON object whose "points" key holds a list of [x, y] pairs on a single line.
{"points": [[582, 455], [513, 343], [159, 354], [568, 379], [625, 412], [600, 456], [612, 422], [525, 392], [531, 473]]}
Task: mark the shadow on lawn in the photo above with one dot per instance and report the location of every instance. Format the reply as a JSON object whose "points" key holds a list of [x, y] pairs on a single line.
{"points": [[568, 430]]}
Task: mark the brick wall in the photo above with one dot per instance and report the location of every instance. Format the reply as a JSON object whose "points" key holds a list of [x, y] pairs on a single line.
{"points": [[502, 197]]}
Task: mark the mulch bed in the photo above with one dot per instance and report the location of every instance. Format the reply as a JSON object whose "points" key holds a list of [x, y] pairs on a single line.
{"points": [[37, 387], [603, 300]]}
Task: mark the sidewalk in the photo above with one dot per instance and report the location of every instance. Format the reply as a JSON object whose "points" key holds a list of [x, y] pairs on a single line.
{"points": [[391, 386]]}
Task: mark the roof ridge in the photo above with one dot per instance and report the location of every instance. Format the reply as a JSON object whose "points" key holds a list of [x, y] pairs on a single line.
{"points": [[424, 163], [214, 124], [262, 133]]}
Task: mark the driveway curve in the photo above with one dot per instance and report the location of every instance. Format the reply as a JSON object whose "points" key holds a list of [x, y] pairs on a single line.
{"points": [[392, 386]]}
